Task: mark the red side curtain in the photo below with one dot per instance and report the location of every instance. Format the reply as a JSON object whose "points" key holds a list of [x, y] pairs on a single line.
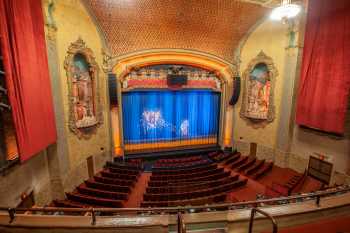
{"points": [[27, 74], [325, 75]]}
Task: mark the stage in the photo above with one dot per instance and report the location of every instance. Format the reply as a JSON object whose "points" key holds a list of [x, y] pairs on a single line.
{"points": [[151, 154]]}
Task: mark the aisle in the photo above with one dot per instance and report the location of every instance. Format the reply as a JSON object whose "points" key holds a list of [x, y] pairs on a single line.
{"points": [[136, 195]]}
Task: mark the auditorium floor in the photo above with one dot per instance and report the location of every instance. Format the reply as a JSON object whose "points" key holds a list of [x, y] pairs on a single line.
{"points": [[277, 174], [333, 225], [246, 193]]}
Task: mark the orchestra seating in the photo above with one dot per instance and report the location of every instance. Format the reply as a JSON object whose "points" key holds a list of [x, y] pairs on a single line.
{"points": [[191, 180], [189, 184], [108, 188]]}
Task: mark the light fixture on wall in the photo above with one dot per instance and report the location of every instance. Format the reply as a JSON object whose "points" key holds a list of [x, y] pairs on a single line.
{"points": [[285, 11]]}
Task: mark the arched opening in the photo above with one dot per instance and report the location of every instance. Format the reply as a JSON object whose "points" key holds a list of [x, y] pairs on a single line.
{"points": [[223, 70]]}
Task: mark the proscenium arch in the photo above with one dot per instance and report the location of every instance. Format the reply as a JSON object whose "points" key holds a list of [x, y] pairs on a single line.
{"points": [[225, 71]]}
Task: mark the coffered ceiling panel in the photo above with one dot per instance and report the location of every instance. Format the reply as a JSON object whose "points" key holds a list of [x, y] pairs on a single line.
{"points": [[211, 26]]}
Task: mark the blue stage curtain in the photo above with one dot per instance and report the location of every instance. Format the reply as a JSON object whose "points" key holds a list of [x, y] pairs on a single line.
{"points": [[153, 116]]}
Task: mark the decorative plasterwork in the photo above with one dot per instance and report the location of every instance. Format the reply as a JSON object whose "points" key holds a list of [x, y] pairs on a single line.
{"points": [[156, 77], [85, 113], [249, 91]]}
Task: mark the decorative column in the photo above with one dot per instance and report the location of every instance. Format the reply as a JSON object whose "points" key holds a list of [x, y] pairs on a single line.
{"points": [[57, 153], [291, 76]]}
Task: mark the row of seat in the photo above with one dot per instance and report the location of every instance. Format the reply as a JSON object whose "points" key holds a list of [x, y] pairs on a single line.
{"points": [[219, 175], [178, 160], [108, 188], [214, 195], [182, 187], [180, 176], [220, 156], [184, 170], [192, 194], [180, 165]]}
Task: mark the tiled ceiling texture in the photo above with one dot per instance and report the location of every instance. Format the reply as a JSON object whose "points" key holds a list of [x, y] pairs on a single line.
{"points": [[211, 26]]}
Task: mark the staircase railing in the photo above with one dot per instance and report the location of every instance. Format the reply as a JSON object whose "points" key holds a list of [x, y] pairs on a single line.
{"points": [[252, 217]]}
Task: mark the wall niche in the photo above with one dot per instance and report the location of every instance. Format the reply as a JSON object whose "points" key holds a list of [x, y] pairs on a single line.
{"points": [[258, 107], [85, 113]]}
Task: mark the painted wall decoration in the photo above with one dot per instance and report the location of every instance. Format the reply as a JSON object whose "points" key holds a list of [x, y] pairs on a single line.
{"points": [[155, 76], [258, 105], [84, 103]]}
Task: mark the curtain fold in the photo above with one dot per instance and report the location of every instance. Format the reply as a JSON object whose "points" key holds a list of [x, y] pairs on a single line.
{"points": [[27, 74], [170, 116], [325, 74]]}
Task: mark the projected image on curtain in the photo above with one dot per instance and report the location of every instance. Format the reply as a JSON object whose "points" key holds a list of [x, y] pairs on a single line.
{"points": [[160, 119]]}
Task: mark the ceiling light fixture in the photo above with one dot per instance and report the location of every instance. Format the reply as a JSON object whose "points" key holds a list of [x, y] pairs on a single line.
{"points": [[285, 11]]}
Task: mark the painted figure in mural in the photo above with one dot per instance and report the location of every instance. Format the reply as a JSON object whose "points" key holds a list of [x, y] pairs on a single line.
{"points": [[82, 93], [258, 92]]}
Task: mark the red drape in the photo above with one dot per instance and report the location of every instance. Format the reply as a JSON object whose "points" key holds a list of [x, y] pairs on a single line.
{"points": [[27, 74], [325, 74]]}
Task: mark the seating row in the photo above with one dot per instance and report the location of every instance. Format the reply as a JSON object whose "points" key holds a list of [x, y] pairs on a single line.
{"points": [[108, 174], [233, 158], [192, 186], [260, 173], [186, 176], [216, 176], [215, 195], [180, 165], [122, 165], [114, 181], [184, 170], [83, 189], [179, 160], [255, 168], [123, 171], [191, 194], [93, 201], [108, 187], [250, 162]]}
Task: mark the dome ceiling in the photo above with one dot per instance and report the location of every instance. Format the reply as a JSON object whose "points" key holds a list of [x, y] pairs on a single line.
{"points": [[210, 26]]}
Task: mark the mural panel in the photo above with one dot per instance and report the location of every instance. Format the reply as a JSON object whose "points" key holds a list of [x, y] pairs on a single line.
{"points": [[258, 106], [82, 75]]}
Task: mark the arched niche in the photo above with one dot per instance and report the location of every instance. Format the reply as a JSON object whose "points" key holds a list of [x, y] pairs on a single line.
{"points": [[224, 70], [85, 113], [258, 92]]}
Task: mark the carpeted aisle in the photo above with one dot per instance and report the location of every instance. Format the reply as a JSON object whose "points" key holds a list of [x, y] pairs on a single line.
{"points": [[332, 225], [136, 195]]}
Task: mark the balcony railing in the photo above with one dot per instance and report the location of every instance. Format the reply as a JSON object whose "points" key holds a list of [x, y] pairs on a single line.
{"points": [[316, 196]]}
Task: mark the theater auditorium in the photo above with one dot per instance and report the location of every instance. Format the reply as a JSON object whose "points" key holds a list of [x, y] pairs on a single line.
{"points": [[164, 116]]}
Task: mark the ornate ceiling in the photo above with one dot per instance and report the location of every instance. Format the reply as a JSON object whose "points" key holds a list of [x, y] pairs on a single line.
{"points": [[210, 26]]}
